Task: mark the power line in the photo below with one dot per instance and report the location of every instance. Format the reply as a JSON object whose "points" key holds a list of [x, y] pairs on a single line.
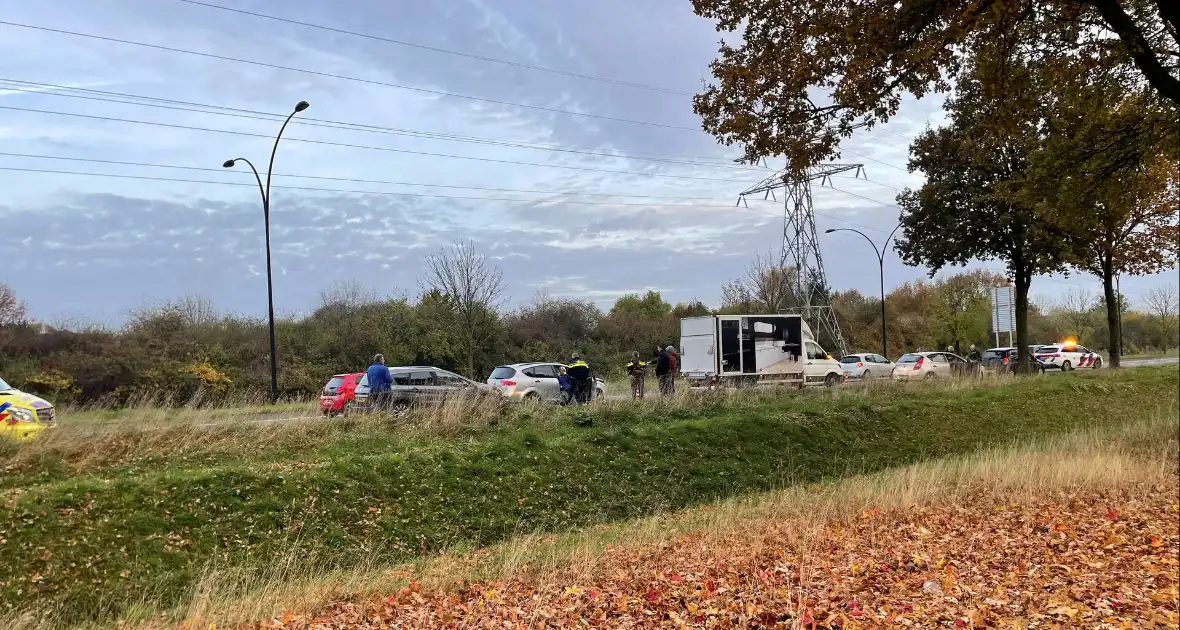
{"points": [[204, 108], [362, 146], [342, 179], [406, 194], [331, 75], [445, 51]]}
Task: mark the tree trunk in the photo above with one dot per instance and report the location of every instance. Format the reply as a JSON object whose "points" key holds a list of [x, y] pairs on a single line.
{"points": [[1112, 310], [1023, 280]]}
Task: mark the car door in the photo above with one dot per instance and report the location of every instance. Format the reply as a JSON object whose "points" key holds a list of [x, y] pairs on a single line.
{"points": [[940, 365], [882, 367], [815, 365], [450, 383], [422, 387], [545, 377]]}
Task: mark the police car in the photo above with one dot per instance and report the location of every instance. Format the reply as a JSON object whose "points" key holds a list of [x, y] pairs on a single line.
{"points": [[1068, 356]]}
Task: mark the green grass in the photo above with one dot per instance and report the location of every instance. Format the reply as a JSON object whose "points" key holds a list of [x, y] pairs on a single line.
{"points": [[149, 510]]}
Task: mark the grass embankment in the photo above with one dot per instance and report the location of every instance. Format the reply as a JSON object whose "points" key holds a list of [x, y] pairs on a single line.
{"points": [[148, 510]]}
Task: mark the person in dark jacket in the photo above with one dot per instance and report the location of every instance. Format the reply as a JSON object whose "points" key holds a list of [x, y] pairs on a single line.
{"points": [[673, 367], [581, 376], [636, 370], [664, 371], [566, 384], [380, 382]]}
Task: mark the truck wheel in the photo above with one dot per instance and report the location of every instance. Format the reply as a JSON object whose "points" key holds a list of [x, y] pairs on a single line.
{"points": [[831, 380]]}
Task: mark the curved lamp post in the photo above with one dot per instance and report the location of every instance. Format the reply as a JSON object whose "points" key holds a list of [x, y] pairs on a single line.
{"points": [[881, 264], [265, 192]]}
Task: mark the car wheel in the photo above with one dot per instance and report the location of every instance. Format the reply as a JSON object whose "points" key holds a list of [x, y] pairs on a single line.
{"points": [[1097, 364], [599, 395], [532, 397], [1066, 367], [866, 376], [400, 407], [929, 376]]}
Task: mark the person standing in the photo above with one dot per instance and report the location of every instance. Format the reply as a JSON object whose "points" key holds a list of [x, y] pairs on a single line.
{"points": [[673, 368], [380, 383], [580, 376], [636, 372], [566, 385], [663, 372]]}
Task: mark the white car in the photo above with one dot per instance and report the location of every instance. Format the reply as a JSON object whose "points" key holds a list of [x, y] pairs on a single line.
{"points": [[866, 365], [534, 381], [1068, 356]]}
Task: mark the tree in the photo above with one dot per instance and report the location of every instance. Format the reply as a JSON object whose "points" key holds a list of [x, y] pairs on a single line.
{"points": [[975, 177], [1164, 303], [12, 310], [962, 312], [1077, 310], [867, 54], [765, 287], [475, 288], [1107, 168]]}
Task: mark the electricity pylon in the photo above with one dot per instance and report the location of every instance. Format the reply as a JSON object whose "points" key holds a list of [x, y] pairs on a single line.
{"points": [[801, 245]]}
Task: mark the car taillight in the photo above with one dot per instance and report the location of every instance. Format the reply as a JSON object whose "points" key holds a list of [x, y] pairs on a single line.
{"points": [[508, 383], [860, 364], [918, 365], [1005, 361]]}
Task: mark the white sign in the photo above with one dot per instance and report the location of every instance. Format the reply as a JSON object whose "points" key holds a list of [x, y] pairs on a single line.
{"points": [[1003, 310]]}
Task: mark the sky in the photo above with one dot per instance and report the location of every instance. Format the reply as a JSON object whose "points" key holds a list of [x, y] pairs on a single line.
{"points": [[558, 138]]}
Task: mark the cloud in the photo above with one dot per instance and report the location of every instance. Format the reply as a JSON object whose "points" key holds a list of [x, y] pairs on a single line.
{"points": [[94, 247]]}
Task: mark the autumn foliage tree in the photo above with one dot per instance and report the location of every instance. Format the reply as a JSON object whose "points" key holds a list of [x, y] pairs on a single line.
{"points": [[866, 54], [976, 174]]}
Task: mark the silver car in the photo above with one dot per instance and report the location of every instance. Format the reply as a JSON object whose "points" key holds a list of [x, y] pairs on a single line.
{"points": [[534, 381], [866, 365], [416, 385]]}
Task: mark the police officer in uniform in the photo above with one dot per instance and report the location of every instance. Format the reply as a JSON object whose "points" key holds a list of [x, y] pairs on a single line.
{"points": [[636, 370], [579, 373]]}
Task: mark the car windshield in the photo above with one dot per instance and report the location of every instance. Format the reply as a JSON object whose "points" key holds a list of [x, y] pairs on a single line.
{"points": [[909, 358], [503, 372], [852, 358], [4, 386]]}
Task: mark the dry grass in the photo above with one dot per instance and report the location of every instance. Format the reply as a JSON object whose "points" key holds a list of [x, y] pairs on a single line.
{"points": [[1144, 451]]}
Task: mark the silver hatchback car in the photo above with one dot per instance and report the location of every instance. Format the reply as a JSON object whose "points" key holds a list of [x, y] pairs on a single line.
{"points": [[534, 381], [416, 385]]}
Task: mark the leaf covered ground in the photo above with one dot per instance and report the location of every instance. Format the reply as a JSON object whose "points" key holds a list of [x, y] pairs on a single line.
{"points": [[1095, 559]]}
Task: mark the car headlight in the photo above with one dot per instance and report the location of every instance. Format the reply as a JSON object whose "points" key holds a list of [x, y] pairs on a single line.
{"points": [[21, 414]]}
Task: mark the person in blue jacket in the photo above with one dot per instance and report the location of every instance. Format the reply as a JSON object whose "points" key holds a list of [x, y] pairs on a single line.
{"points": [[380, 382], [567, 385]]}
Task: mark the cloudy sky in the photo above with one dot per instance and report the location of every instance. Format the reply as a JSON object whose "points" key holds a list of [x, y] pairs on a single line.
{"points": [[560, 140]]}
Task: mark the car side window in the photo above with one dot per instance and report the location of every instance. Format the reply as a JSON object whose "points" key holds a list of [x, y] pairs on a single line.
{"points": [[452, 380], [939, 357], [545, 371], [815, 352], [1083, 349], [879, 359], [401, 378], [421, 378]]}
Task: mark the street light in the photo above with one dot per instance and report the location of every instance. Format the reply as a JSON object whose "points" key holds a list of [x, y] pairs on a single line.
{"points": [[265, 192], [881, 264]]}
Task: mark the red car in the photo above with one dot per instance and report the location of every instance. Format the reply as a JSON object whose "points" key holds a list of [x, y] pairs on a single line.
{"points": [[338, 393]]}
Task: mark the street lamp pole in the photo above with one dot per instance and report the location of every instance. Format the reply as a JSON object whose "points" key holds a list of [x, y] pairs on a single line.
{"points": [[265, 192], [880, 252]]}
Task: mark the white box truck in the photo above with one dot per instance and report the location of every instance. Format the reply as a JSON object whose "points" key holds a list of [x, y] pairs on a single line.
{"points": [[728, 350]]}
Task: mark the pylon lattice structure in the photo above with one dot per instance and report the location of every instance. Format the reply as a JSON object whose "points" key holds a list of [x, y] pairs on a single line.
{"points": [[801, 245]]}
